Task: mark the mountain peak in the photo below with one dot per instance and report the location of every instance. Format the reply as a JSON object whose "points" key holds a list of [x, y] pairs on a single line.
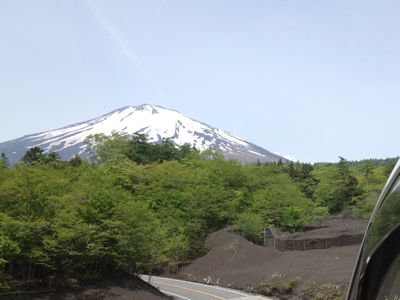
{"points": [[144, 107], [141, 107], [155, 121]]}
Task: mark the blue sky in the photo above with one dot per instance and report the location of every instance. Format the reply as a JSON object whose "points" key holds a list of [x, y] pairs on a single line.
{"points": [[312, 79]]}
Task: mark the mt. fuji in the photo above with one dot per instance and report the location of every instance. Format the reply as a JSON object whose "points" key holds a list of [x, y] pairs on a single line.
{"points": [[155, 121]]}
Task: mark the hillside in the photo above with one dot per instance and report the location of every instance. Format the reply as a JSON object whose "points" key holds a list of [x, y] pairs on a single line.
{"points": [[233, 261], [144, 207]]}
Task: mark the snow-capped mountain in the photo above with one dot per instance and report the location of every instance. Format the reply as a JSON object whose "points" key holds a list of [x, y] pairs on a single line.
{"points": [[155, 121]]}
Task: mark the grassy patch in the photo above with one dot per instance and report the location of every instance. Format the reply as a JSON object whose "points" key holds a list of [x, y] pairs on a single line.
{"points": [[278, 285], [326, 291]]}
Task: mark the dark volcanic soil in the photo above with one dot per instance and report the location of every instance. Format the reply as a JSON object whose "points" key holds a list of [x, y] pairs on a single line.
{"points": [[232, 261], [119, 287]]}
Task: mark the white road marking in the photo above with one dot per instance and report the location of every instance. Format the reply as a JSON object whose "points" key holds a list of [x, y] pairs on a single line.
{"points": [[192, 290], [202, 284], [176, 295], [252, 298]]}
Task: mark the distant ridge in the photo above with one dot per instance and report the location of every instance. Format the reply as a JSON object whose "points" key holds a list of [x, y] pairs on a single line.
{"points": [[155, 121]]}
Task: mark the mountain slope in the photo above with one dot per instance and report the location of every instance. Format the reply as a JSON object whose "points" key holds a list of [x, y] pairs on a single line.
{"points": [[155, 121]]}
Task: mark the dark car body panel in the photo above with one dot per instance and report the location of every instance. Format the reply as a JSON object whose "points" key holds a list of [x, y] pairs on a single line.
{"points": [[381, 244]]}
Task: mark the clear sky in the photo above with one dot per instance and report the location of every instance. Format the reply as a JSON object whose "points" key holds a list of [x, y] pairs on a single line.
{"points": [[308, 78]]}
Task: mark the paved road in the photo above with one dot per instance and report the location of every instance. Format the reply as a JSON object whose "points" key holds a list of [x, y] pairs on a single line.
{"points": [[196, 291]]}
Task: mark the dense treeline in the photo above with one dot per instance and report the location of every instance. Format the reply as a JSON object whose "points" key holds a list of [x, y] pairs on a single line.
{"points": [[141, 207]]}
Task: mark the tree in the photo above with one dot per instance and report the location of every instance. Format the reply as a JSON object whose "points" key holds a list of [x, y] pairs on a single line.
{"points": [[251, 226], [338, 188], [75, 161], [137, 148], [302, 174], [140, 150], [32, 155], [291, 170], [4, 159], [347, 182], [167, 150], [51, 157]]}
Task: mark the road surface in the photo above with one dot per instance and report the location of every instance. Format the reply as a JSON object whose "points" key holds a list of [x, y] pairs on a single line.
{"points": [[196, 291]]}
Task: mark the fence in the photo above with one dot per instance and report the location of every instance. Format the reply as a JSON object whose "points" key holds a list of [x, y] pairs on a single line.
{"points": [[271, 239]]}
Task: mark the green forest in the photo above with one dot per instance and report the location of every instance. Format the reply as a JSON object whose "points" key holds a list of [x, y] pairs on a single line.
{"points": [[142, 207]]}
